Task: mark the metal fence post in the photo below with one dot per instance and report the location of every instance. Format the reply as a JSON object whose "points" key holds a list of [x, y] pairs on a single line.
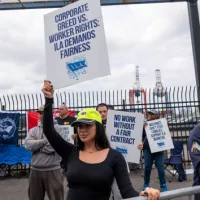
{"points": [[124, 104], [195, 37], [3, 107]]}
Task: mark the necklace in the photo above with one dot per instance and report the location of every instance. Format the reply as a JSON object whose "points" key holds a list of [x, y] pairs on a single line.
{"points": [[91, 151]]}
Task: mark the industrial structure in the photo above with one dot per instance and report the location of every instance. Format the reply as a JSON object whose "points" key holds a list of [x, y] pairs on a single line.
{"points": [[159, 90], [137, 95]]}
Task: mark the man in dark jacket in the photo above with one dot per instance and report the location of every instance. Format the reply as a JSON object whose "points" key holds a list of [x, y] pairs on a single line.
{"points": [[64, 117], [149, 157], [194, 150], [102, 108]]}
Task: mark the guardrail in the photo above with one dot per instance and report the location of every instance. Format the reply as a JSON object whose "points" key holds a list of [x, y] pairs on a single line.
{"points": [[174, 193]]}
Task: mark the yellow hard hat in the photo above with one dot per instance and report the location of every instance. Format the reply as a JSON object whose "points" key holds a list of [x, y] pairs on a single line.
{"points": [[88, 116]]}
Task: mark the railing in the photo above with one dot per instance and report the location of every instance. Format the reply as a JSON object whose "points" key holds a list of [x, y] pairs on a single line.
{"points": [[189, 191]]}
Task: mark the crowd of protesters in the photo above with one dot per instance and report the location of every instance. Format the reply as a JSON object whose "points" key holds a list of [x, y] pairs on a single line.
{"points": [[93, 169]]}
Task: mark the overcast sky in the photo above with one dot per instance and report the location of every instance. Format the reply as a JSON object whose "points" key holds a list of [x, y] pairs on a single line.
{"points": [[153, 36]]}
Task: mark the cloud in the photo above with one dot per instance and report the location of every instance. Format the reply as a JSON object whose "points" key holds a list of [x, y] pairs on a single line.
{"points": [[152, 36]]}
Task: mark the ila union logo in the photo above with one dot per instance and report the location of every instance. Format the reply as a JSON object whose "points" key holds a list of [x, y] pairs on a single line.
{"points": [[7, 128], [160, 144], [77, 67], [122, 150]]}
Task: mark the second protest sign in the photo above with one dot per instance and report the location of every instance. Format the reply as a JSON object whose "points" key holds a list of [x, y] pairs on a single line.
{"points": [[124, 131], [158, 135], [68, 131]]}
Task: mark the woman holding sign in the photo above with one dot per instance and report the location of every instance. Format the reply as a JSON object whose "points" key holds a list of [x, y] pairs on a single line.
{"points": [[92, 164], [150, 157]]}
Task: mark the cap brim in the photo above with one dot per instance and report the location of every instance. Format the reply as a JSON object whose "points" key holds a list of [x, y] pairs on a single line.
{"points": [[84, 121], [152, 113]]}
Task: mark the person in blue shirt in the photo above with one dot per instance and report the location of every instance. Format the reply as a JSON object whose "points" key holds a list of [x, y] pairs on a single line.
{"points": [[194, 151]]}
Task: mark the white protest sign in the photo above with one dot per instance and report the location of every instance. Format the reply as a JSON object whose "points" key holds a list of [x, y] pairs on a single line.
{"points": [[76, 49], [67, 133], [158, 135], [124, 131]]}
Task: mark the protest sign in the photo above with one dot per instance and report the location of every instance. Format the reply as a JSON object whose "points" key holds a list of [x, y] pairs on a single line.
{"points": [[68, 132], [158, 135], [124, 131], [76, 49]]}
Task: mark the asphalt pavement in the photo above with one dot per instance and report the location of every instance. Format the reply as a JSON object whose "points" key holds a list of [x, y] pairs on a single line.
{"points": [[17, 188]]}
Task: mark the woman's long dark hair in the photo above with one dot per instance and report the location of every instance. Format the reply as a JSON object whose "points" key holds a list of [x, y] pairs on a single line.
{"points": [[101, 140]]}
